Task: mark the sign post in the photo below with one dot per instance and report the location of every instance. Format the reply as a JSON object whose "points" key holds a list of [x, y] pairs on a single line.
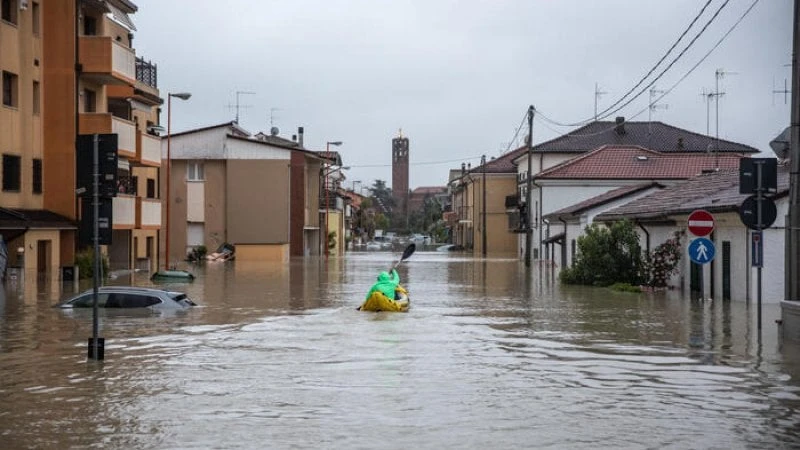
{"points": [[701, 250]]}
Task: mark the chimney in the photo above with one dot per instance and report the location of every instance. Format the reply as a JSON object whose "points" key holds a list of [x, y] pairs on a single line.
{"points": [[620, 126], [294, 138], [300, 137]]}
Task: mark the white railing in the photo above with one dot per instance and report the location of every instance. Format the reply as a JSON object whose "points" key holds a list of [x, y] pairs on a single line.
{"points": [[151, 150], [150, 213], [124, 214], [126, 134], [123, 60]]}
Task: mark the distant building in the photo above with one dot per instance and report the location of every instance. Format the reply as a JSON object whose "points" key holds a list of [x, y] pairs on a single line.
{"points": [[417, 197], [400, 177]]}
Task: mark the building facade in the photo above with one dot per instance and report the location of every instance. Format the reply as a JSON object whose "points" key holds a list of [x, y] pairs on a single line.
{"points": [[69, 68]]}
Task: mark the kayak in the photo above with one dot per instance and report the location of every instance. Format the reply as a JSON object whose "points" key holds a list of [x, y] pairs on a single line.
{"points": [[380, 302]]}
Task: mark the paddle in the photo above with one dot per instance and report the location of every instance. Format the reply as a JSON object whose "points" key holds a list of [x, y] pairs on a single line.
{"points": [[412, 247]]}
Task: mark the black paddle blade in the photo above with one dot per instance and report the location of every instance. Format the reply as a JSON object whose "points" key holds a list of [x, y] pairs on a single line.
{"points": [[412, 247]]}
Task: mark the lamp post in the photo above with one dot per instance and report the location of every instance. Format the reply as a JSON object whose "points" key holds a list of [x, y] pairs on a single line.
{"points": [[327, 192], [182, 96]]}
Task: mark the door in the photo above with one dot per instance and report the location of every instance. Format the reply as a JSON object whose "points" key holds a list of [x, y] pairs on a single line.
{"points": [[43, 250]]}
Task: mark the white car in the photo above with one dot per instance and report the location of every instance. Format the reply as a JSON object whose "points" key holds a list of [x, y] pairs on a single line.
{"points": [[129, 297]]}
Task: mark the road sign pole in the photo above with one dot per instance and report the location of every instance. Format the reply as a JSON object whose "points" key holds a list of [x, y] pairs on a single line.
{"points": [[95, 343], [759, 199]]}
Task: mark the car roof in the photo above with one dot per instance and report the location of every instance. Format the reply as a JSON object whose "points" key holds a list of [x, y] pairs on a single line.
{"points": [[131, 289]]}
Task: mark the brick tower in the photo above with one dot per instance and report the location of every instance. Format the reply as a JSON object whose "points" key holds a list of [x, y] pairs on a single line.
{"points": [[400, 178]]}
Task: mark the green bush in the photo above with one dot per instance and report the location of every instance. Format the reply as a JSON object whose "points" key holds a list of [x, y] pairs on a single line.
{"points": [[663, 261], [625, 287], [84, 259], [606, 255]]}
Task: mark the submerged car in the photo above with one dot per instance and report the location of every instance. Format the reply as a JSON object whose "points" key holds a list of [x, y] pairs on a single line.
{"points": [[129, 297]]}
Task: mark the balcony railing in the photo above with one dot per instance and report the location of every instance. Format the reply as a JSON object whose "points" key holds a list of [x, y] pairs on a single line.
{"points": [[334, 202], [148, 213], [148, 149], [124, 212], [101, 56], [127, 185], [147, 72]]}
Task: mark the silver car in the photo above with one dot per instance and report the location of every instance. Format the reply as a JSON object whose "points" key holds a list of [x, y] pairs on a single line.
{"points": [[129, 297]]}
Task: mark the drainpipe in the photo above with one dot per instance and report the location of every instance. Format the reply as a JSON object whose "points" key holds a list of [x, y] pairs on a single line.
{"points": [[647, 236], [564, 244]]}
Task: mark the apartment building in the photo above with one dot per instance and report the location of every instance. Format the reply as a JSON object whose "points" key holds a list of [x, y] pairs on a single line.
{"points": [[69, 68]]}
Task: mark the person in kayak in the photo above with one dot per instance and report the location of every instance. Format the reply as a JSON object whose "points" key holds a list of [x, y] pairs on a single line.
{"points": [[386, 284]]}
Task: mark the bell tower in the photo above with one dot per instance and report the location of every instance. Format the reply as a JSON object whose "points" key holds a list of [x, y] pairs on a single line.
{"points": [[400, 177]]}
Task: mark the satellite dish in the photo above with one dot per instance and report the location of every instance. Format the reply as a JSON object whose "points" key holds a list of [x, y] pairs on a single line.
{"points": [[274, 131], [782, 143]]}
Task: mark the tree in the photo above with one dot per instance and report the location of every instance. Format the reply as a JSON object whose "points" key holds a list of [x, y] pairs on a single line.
{"points": [[606, 255], [663, 261]]}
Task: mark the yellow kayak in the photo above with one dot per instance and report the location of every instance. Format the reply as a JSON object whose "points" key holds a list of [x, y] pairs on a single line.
{"points": [[379, 302]]}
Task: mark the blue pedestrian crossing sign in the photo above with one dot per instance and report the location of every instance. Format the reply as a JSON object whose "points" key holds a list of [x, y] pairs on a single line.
{"points": [[702, 251]]}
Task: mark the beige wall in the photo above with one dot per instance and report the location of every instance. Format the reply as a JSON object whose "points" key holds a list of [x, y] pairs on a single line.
{"points": [[177, 211], [257, 201], [260, 252], [215, 204]]}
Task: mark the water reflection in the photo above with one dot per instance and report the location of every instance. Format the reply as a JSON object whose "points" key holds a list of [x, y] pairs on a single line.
{"points": [[488, 357]]}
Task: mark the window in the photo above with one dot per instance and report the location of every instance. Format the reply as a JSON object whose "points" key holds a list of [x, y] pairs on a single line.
{"points": [[10, 89], [87, 301], [37, 176], [89, 101], [9, 11], [89, 26], [151, 188], [11, 169], [195, 171], [36, 98], [35, 18]]}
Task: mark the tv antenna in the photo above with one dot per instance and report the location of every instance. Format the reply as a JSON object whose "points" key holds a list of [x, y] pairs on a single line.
{"points": [[238, 106], [272, 116], [786, 91], [718, 75], [707, 96], [653, 105], [597, 94]]}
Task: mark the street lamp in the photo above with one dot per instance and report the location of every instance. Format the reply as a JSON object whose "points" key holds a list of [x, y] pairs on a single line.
{"points": [[182, 96], [327, 192]]}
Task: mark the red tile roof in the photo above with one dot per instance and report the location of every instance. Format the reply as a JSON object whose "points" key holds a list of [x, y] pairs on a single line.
{"points": [[632, 163]]}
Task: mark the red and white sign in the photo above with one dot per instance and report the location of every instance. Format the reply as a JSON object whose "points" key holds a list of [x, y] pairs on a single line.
{"points": [[701, 222]]}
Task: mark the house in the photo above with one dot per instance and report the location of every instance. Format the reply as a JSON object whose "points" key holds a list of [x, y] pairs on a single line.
{"points": [[69, 68], [261, 194], [730, 275], [606, 169], [654, 136]]}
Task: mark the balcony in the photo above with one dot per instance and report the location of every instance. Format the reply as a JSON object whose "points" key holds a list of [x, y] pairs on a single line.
{"points": [[124, 212], [106, 61], [148, 213], [104, 123], [465, 214], [148, 149]]}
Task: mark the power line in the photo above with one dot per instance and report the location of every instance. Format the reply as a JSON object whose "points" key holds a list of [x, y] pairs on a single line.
{"points": [[680, 80], [607, 112]]}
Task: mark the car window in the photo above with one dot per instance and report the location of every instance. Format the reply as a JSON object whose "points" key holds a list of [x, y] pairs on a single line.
{"points": [[179, 297], [87, 301], [129, 300]]}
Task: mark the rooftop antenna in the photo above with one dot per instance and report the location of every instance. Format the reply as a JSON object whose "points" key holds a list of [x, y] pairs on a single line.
{"points": [[718, 75], [238, 106], [597, 94], [272, 116], [707, 96], [653, 105], [786, 91]]}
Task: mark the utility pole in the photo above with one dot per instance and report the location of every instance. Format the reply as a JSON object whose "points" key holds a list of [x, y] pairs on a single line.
{"points": [[528, 182], [597, 94], [792, 273]]}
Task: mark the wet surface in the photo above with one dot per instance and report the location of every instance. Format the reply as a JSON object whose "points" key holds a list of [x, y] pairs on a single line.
{"points": [[278, 357]]}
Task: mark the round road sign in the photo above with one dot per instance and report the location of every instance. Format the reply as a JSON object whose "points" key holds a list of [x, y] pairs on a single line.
{"points": [[701, 222], [749, 214]]}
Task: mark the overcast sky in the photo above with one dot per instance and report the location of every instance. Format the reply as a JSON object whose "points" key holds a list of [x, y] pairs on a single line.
{"points": [[458, 76]]}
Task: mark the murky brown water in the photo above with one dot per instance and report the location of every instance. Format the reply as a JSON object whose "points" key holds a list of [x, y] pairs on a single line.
{"points": [[277, 357]]}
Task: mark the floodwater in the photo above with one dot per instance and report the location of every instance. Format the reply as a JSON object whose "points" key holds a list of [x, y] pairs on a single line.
{"points": [[277, 356]]}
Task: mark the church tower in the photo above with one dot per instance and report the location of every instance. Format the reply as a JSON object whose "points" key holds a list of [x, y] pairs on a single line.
{"points": [[400, 178]]}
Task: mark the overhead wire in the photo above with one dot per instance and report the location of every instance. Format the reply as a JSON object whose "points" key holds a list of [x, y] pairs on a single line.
{"points": [[605, 113], [679, 81]]}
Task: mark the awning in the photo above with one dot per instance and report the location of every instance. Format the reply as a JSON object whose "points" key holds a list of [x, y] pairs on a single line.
{"points": [[16, 219], [555, 238]]}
